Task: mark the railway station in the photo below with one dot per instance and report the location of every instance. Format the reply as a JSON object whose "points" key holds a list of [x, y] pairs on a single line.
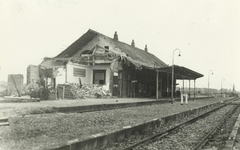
{"points": [[132, 106], [122, 69], [101, 75]]}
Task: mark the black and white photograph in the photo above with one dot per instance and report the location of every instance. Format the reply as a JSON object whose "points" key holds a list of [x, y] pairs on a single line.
{"points": [[119, 75]]}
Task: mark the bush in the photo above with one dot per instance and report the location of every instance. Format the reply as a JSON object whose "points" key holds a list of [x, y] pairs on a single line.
{"points": [[46, 91], [34, 93], [41, 89]]}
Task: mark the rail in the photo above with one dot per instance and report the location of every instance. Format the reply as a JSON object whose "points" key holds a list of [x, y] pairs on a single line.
{"points": [[167, 132]]}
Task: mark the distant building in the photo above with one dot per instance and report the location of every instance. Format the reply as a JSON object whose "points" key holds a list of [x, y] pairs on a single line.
{"points": [[32, 74], [15, 83]]}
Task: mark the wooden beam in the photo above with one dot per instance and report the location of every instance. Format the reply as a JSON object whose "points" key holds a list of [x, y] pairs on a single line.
{"points": [[16, 86]]}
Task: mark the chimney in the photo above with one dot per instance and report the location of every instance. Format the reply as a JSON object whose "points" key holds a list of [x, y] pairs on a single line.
{"points": [[133, 43], [146, 49], [115, 36]]}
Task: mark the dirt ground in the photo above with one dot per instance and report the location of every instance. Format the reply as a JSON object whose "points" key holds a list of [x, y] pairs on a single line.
{"points": [[13, 109]]}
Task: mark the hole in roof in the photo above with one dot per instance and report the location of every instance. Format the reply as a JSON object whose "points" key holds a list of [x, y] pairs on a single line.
{"points": [[87, 52], [106, 48]]}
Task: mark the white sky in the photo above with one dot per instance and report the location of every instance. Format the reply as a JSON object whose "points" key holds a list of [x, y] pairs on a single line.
{"points": [[207, 32]]}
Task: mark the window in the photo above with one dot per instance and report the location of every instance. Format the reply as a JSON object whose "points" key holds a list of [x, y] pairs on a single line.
{"points": [[99, 76], [79, 72]]}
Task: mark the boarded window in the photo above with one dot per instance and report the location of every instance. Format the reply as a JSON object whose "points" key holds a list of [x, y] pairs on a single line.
{"points": [[79, 72]]}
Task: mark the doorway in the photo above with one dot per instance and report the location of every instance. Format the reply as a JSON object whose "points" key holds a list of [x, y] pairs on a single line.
{"points": [[115, 84]]}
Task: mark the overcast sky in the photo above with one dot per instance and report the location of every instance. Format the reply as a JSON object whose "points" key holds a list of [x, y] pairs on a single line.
{"points": [[206, 32]]}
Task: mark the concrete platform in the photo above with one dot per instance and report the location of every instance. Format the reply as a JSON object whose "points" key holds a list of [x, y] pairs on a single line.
{"points": [[233, 135], [19, 100], [4, 124], [3, 119], [107, 104]]}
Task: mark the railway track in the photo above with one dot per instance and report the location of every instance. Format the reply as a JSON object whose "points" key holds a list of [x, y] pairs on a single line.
{"points": [[225, 135], [146, 143], [217, 131]]}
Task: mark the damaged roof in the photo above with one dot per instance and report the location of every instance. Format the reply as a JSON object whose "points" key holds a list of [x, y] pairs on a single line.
{"points": [[77, 45], [135, 55], [139, 56]]}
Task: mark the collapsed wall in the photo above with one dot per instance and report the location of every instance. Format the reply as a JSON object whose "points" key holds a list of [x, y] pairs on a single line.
{"points": [[15, 84]]}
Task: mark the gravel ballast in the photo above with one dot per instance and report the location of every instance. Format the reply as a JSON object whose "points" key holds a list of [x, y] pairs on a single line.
{"points": [[218, 140], [132, 139], [188, 136]]}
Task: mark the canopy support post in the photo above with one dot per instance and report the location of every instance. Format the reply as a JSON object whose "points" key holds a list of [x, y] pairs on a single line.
{"points": [[194, 87], [183, 85], [157, 86], [167, 84], [189, 87]]}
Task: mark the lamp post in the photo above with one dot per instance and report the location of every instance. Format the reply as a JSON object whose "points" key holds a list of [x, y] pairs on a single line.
{"points": [[221, 85], [208, 80], [173, 72]]}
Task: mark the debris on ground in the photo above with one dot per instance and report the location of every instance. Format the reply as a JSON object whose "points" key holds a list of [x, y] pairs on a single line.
{"points": [[90, 91]]}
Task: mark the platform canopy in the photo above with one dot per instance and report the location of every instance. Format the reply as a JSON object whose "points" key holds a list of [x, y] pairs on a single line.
{"points": [[181, 73]]}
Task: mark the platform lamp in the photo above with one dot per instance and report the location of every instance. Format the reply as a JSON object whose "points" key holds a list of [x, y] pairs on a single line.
{"points": [[173, 71], [208, 80], [221, 85]]}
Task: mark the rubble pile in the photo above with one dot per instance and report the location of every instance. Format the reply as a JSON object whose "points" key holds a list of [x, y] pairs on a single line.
{"points": [[89, 91]]}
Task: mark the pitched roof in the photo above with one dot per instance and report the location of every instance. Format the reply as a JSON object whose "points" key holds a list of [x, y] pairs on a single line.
{"points": [[135, 55], [139, 56], [78, 44]]}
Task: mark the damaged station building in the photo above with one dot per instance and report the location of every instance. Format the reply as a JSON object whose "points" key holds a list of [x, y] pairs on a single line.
{"points": [[125, 70]]}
